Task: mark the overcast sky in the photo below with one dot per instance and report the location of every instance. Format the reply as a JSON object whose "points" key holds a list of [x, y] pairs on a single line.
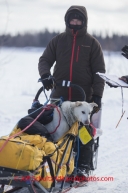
{"points": [[36, 15]]}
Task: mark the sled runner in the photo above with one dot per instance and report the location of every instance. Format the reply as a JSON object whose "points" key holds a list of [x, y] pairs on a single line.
{"points": [[38, 162], [24, 179]]}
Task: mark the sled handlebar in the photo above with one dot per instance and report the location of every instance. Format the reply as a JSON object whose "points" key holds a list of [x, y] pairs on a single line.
{"points": [[69, 84], [63, 84], [38, 93]]}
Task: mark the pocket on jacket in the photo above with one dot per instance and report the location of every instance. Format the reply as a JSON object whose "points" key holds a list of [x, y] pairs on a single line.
{"points": [[83, 53]]}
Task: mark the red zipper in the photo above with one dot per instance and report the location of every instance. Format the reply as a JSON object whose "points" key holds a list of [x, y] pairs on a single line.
{"points": [[77, 55], [71, 63]]}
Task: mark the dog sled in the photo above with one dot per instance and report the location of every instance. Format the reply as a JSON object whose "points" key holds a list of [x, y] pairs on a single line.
{"points": [[38, 163]]}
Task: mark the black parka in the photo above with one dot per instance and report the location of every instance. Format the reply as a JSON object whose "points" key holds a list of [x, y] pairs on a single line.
{"points": [[77, 56]]}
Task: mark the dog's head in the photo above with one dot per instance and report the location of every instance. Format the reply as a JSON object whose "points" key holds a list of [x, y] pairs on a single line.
{"points": [[82, 111]]}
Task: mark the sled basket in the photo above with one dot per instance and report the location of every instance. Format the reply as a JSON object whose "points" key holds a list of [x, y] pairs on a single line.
{"points": [[56, 165], [52, 171]]}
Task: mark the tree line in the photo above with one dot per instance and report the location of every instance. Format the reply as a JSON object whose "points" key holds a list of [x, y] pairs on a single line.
{"points": [[41, 39]]}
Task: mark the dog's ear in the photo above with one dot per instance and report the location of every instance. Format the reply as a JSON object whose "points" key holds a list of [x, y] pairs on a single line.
{"points": [[93, 105], [78, 103]]}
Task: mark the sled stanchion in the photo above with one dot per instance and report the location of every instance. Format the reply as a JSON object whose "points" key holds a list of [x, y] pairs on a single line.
{"points": [[31, 188], [41, 187], [60, 165], [61, 162], [95, 153], [78, 152], [63, 182]]}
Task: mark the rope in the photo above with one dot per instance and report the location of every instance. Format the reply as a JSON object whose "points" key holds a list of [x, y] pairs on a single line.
{"points": [[122, 107], [122, 99], [22, 130], [122, 102], [48, 107], [58, 123]]}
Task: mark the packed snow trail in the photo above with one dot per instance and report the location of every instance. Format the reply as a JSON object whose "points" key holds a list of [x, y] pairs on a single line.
{"points": [[18, 86]]}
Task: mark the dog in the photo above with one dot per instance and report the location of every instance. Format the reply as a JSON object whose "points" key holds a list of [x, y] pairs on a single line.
{"points": [[70, 112]]}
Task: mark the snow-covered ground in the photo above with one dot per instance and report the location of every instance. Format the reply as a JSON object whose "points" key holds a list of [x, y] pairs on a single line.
{"points": [[18, 86]]}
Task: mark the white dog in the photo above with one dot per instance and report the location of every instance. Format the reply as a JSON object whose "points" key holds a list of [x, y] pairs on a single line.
{"points": [[70, 112]]}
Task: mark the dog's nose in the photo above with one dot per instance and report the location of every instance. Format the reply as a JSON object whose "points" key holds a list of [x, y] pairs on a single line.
{"points": [[87, 122]]}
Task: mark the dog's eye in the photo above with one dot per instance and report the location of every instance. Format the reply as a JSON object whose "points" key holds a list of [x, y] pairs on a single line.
{"points": [[83, 112]]}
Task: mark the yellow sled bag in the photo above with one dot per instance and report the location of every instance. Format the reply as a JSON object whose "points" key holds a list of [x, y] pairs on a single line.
{"points": [[36, 140], [55, 153], [46, 178], [19, 154]]}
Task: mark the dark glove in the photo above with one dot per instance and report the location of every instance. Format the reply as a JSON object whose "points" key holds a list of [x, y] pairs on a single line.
{"points": [[36, 105], [47, 81], [96, 99], [111, 85], [124, 78], [125, 51]]}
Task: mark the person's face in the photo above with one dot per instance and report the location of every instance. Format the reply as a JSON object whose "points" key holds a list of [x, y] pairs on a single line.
{"points": [[76, 22]]}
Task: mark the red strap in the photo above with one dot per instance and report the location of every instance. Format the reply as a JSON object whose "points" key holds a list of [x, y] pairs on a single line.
{"points": [[47, 107], [94, 129]]}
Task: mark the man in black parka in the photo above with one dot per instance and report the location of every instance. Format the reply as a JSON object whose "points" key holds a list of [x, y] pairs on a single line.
{"points": [[77, 56]]}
